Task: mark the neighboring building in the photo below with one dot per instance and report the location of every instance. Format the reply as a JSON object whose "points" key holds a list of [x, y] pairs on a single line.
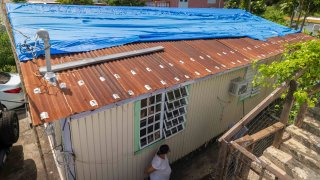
{"points": [[186, 3], [108, 119]]}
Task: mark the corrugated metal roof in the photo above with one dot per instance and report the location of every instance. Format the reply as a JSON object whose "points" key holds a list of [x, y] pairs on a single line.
{"points": [[111, 82]]}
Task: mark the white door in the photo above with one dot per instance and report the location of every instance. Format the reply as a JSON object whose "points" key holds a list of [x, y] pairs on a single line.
{"points": [[183, 3]]}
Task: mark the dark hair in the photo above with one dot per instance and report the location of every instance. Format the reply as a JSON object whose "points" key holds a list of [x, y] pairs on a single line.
{"points": [[164, 149]]}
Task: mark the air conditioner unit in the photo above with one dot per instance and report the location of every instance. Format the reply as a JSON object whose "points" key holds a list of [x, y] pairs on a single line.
{"points": [[238, 86]]}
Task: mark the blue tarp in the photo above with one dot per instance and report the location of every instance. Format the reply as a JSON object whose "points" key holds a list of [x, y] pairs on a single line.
{"points": [[85, 28]]}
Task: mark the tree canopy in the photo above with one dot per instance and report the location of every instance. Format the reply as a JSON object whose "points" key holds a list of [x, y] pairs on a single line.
{"points": [[303, 57]]}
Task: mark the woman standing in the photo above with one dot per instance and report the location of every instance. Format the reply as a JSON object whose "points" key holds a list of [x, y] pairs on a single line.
{"points": [[160, 168]]}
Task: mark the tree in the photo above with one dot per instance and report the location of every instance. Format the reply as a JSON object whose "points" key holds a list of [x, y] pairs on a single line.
{"points": [[298, 57], [7, 62], [125, 2], [76, 2], [254, 6]]}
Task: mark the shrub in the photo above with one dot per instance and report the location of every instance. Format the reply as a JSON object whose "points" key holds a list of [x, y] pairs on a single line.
{"points": [[7, 62]]}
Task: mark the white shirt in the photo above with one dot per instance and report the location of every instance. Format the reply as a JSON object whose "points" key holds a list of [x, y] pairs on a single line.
{"points": [[163, 169]]}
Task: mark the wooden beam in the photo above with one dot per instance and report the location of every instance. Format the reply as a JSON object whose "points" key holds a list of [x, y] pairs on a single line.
{"points": [[278, 173], [247, 140]]}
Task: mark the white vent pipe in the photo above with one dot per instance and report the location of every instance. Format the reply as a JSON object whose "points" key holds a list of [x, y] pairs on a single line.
{"points": [[44, 35]]}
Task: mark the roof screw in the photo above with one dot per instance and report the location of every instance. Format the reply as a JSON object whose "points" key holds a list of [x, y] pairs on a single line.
{"points": [[201, 57], [63, 85], [133, 72], [177, 79], [148, 69], [217, 67], [208, 70], [197, 73], [81, 82], [170, 64], [115, 96], [233, 62], [102, 78], [116, 76], [44, 115], [181, 62], [147, 87], [93, 103], [161, 66], [37, 91], [130, 92], [208, 56], [239, 61], [163, 82], [186, 76], [191, 59], [224, 53]]}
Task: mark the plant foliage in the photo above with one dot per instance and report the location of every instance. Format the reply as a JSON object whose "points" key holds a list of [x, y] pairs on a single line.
{"points": [[7, 62], [76, 2], [125, 2], [301, 56]]}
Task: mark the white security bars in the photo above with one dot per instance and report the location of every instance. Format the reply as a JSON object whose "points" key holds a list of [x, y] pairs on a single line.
{"points": [[162, 116]]}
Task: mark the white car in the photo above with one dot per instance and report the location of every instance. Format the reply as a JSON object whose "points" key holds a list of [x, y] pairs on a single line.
{"points": [[11, 93]]}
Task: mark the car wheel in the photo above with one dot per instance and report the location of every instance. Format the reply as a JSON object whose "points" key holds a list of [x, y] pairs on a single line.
{"points": [[9, 128]]}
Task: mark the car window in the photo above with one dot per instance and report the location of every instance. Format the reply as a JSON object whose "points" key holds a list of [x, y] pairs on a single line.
{"points": [[4, 77]]}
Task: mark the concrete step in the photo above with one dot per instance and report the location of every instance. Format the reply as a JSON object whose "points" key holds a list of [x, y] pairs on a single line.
{"points": [[258, 168], [311, 125], [291, 166], [306, 138], [302, 154]]}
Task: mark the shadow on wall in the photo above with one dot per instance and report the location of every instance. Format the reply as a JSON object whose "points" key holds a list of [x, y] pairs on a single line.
{"points": [[18, 168]]}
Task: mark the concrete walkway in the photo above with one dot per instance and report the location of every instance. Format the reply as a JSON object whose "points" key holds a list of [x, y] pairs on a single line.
{"points": [[25, 160]]}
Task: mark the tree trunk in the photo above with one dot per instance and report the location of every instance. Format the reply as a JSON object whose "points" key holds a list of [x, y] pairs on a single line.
{"points": [[299, 16], [292, 16], [305, 17], [301, 113], [288, 102], [303, 108]]}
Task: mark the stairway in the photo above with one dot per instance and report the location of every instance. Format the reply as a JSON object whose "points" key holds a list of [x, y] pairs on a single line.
{"points": [[299, 156]]}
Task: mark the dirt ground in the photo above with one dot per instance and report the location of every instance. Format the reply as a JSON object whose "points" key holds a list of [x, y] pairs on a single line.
{"points": [[197, 165], [25, 160]]}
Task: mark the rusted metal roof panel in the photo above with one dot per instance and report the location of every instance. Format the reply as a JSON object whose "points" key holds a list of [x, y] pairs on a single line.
{"points": [[99, 85]]}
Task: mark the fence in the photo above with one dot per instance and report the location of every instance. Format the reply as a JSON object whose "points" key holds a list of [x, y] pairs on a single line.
{"points": [[244, 143]]}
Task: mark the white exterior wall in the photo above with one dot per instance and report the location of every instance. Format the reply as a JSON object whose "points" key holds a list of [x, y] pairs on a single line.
{"points": [[103, 143]]}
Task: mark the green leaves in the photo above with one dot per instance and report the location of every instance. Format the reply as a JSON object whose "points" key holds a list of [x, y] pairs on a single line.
{"points": [[301, 56], [7, 62]]}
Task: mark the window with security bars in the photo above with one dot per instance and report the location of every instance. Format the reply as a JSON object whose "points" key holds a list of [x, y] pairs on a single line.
{"points": [[162, 116], [151, 120], [175, 110]]}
